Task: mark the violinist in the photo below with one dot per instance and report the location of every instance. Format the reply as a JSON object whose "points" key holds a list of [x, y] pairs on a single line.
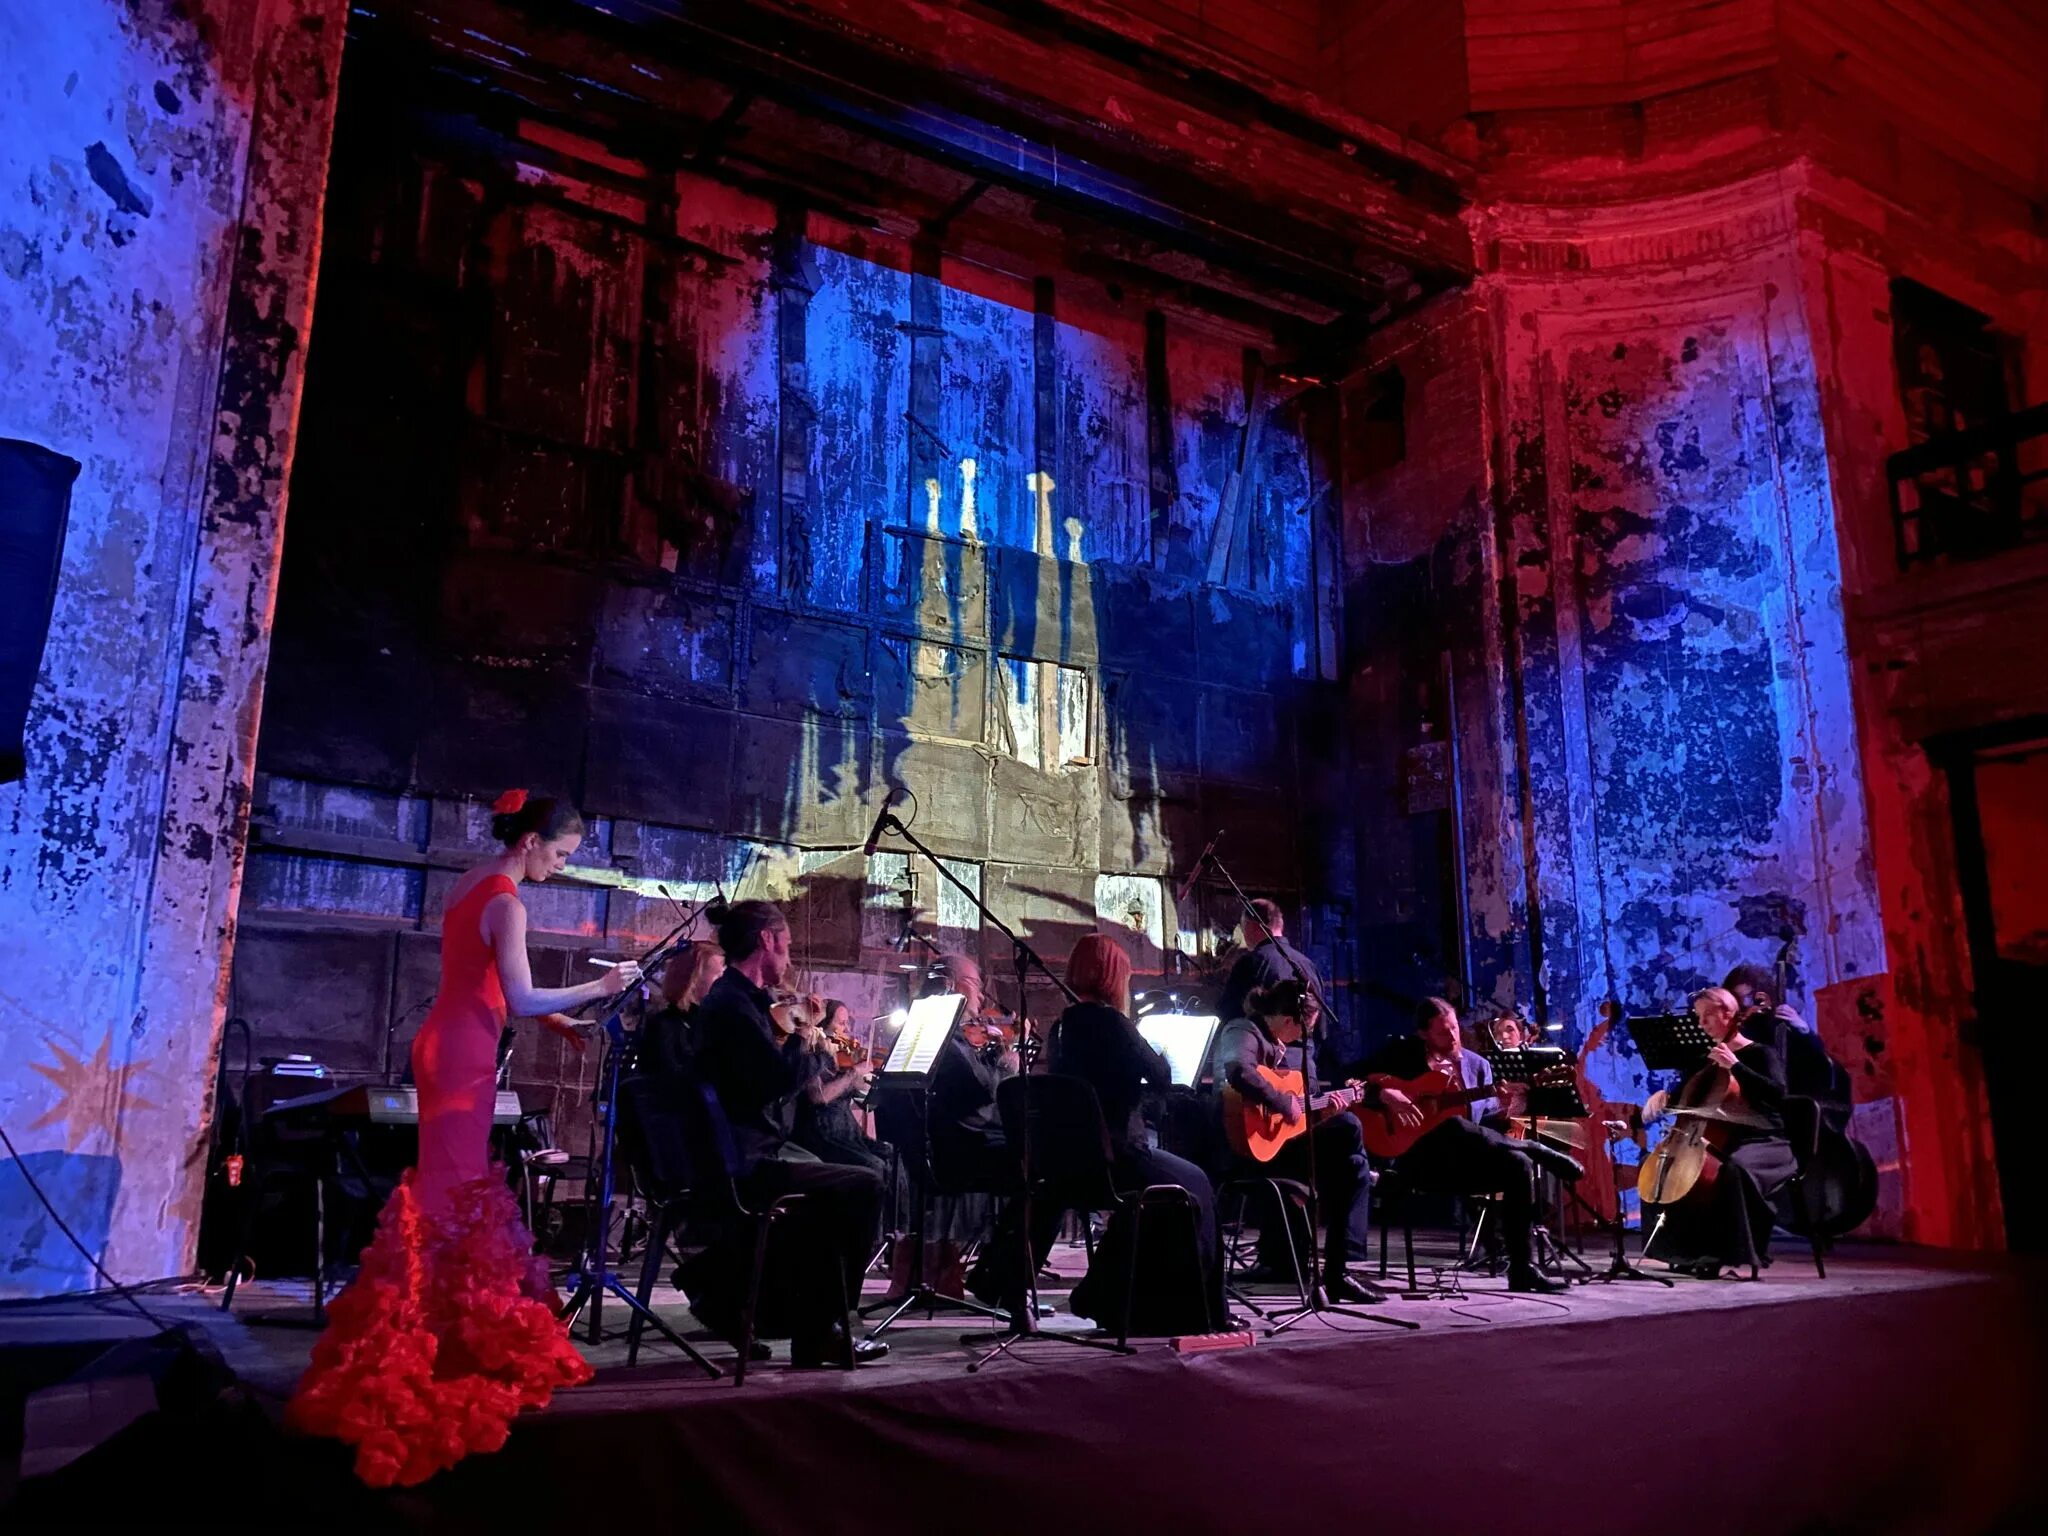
{"points": [[759, 1069], [1727, 1221], [969, 1151], [966, 1130], [1096, 1040], [825, 1120], [688, 976]]}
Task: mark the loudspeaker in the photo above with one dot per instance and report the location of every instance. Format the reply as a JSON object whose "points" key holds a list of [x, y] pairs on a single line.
{"points": [[35, 505]]}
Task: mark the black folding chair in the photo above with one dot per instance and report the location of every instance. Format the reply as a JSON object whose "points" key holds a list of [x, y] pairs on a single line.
{"points": [[1285, 1196], [713, 1182], [1391, 1187], [1804, 1117], [655, 1149], [1056, 1124]]}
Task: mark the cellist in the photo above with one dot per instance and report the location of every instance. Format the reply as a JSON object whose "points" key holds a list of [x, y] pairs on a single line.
{"points": [[1728, 1223]]}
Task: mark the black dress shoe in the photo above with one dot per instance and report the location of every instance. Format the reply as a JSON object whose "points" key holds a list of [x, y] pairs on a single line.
{"points": [[1235, 1324], [1349, 1288], [830, 1350], [1531, 1283], [1264, 1273]]}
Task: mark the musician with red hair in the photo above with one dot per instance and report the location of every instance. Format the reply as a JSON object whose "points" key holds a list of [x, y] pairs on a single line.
{"points": [[1095, 1040]]}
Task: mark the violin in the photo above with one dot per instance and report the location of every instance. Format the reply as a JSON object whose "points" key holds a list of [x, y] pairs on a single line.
{"points": [[793, 1011], [996, 1028]]}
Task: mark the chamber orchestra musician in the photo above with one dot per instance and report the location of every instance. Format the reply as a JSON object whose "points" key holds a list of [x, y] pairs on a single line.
{"points": [[449, 1328], [828, 1123], [1268, 960], [666, 1045], [1461, 1155], [1726, 1220], [760, 1071], [1096, 1041], [966, 1128], [1809, 1068], [1277, 1018]]}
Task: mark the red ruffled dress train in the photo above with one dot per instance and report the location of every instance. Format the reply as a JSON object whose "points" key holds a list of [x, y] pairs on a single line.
{"points": [[448, 1330]]}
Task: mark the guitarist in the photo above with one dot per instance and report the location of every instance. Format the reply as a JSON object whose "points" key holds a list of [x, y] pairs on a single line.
{"points": [[1277, 1017], [1461, 1156]]}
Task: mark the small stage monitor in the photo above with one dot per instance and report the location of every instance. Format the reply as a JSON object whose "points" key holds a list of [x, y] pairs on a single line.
{"points": [[926, 1028], [1183, 1039]]}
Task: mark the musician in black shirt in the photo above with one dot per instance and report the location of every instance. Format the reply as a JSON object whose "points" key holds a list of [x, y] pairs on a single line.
{"points": [[1096, 1041], [667, 1042], [1268, 960], [1277, 1017], [759, 1077], [1730, 1224]]}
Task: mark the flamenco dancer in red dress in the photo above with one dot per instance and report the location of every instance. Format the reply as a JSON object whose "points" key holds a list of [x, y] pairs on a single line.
{"points": [[450, 1329]]}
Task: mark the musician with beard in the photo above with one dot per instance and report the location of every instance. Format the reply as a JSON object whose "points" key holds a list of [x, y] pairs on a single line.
{"points": [[1462, 1155]]}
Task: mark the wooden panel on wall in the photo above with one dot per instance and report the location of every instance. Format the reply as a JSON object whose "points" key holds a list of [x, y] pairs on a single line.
{"points": [[1590, 52], [1967, 79]]}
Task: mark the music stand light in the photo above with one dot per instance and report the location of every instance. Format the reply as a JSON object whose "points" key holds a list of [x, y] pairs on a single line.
{"points": [[1183, 1039]]}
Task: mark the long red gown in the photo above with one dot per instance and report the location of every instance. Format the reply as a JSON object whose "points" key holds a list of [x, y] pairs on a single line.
{"points": [[446, 1333]]}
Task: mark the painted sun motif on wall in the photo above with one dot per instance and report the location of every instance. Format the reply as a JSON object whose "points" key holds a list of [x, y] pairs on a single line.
{"points": [[92, 1095]]}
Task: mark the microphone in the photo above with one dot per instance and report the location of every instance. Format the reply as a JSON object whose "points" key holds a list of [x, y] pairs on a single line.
{"points": [[875, 832], [1188, 884]]}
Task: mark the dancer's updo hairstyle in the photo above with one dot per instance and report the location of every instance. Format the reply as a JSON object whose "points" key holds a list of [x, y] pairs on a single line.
{"points": [[516, 813]]}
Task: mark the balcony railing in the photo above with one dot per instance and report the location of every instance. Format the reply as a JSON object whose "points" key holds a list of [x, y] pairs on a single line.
{"points": [[1971, 494]]}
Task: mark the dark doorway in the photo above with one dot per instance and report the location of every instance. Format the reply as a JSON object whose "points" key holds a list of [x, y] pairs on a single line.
{"points": [[1999, 792]]}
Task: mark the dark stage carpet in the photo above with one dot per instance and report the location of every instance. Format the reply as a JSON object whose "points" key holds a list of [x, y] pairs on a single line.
{"points": [[1904, 1393]]}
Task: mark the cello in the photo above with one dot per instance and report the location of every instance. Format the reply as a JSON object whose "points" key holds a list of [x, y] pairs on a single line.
{"points": [[1685, 1166]]}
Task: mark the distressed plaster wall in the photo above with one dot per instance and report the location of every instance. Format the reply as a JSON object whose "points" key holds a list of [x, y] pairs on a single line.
{"points": [[159, 203], [1685, 671], [726, 518], [1613, 540]]}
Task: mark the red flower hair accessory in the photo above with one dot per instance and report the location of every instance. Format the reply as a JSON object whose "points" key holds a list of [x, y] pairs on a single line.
{"points": [[510, 803]]}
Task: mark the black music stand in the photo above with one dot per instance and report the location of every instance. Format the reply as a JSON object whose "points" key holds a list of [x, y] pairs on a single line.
{"points": [[592, 1276], [1668, 1042], [1023, 1325], [1550, 1101], [905, 1079]]}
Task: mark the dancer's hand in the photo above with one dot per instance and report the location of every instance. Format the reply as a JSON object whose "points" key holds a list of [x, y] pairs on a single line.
{"points": [[569, 1029]]}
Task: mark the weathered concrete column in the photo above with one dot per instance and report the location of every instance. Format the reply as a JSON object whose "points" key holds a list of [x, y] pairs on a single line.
{"points": [[161, 178]]}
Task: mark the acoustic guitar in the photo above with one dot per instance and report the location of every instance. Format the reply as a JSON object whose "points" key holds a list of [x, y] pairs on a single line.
{"points": [[1438, 1101], [1259, 1133]]}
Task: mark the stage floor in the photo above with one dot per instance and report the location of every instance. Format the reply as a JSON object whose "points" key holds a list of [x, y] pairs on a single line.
{"points": [[1904, 1392]]}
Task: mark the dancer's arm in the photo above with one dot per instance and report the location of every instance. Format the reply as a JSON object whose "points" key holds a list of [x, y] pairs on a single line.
{"points": [[504, 929]]}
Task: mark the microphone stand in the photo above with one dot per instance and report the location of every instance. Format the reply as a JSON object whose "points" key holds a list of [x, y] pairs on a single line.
{"points": [[1023, 1324], [1316, 1302], [592, 1278]]}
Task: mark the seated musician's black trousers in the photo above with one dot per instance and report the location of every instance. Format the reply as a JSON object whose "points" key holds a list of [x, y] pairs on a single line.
{"points": [[1343, 1190], [1463, 1157], [835, 1225]]}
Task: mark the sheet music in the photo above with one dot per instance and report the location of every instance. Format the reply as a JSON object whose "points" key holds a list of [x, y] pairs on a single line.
{"points": [[924, 1034], [1183, 1039]]}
